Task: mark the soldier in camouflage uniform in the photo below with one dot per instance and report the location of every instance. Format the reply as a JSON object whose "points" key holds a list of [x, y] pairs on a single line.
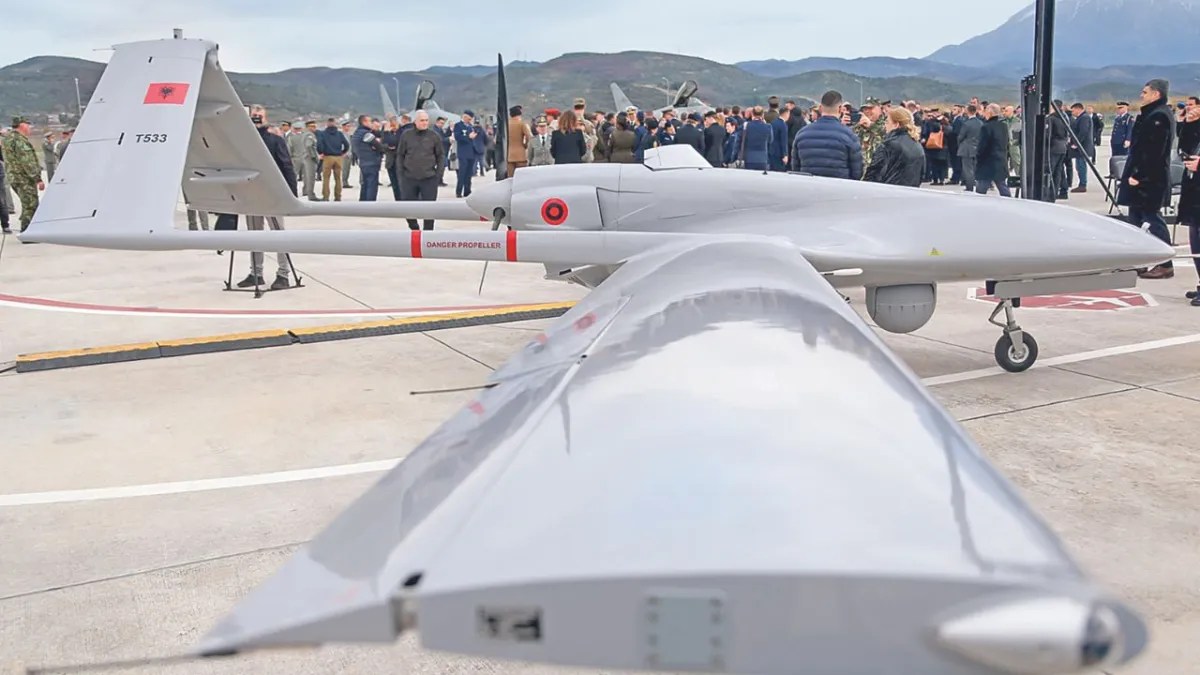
{"points": [[23, 170], [870, 129], [1015, 127]]}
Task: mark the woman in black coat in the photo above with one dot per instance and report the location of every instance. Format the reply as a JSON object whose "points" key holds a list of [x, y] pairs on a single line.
{"points": [[936, 160], [900, 160], [567, 145]]}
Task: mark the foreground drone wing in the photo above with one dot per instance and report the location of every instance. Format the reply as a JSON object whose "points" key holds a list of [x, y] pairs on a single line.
{"points": [[710, 463]]}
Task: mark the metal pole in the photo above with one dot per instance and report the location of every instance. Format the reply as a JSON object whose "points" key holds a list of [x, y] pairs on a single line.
{"points": [[670, 101], [1038, 151], [397, 81], [78, 99]]}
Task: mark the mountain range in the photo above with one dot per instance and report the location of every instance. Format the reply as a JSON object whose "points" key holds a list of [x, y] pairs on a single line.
{"points": [[1096, 40]]}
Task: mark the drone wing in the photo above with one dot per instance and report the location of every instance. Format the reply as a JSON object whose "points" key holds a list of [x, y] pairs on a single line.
{"points": [[710, 463]]}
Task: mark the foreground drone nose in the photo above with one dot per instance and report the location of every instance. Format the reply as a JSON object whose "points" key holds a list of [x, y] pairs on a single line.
{"points": [[1039, 636], [486, 198]]}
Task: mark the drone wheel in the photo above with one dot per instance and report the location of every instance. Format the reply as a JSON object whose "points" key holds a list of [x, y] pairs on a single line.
{"points": [[1007, 357]]}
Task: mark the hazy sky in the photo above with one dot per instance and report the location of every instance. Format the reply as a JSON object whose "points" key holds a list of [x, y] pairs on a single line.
{"points": [[269, 35]]}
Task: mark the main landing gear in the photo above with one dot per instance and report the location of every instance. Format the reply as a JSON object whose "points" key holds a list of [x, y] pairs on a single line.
{"points": [[1016, 350]]}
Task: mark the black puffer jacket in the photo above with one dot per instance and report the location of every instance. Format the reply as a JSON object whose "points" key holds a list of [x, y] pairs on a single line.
{"points": [[900, 160]]}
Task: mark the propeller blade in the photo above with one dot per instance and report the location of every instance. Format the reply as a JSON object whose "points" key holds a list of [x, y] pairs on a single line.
{"points": [[501, 122], [498, 217]]}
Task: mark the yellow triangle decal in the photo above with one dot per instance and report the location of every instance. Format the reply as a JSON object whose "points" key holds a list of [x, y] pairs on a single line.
{"points": [[934, 251]]}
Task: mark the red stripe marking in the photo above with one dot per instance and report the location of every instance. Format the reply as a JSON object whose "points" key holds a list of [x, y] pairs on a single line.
{"points": [[415, 248], [511, 248], [64, 304]]}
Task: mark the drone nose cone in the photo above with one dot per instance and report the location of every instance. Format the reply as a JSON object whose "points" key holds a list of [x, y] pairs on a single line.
{"points": [[488, 197], [1128, 245]]}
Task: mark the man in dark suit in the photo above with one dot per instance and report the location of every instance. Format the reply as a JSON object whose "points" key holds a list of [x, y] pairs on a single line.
{"points": [[1085, 149], [690, 134], [968, 145], [714, 139], [992, 153]]}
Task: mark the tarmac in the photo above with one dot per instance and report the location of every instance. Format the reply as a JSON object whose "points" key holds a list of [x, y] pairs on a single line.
{"points": [[140, 500]]}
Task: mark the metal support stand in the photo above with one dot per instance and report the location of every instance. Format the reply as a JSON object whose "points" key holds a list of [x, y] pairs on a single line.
{"points": [[258, 290]]}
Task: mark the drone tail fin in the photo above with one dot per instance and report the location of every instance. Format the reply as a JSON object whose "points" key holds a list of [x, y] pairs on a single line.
{"points": [[163, 112]]}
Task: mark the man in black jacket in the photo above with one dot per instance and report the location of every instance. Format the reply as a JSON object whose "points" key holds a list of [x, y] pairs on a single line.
{"points": [[714, 139], [419, 160], [992, 153], [1059, 140], [1145, 185], [277, 147], [1085, 149]]}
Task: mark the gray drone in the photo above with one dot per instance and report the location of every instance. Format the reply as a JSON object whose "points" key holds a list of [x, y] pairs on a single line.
{"points": [[710, 463]]}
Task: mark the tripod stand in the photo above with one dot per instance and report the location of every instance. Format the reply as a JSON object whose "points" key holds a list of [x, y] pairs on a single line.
{"points": [[256, 223]]}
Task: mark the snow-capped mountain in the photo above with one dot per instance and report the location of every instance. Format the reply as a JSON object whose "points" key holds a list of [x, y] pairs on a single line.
{"points": [[1092, 33]]}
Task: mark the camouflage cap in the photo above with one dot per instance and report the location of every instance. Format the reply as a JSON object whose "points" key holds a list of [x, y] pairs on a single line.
{"points": [[579, 103], [871, 102], [19, 120]]}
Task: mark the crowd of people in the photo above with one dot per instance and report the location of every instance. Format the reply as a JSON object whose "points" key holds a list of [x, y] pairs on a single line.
{"points": [[976, 145]]}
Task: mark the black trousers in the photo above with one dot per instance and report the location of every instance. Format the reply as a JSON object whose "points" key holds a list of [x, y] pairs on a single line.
{"points": [[395, 181], [424, 190], [1059, 180]]}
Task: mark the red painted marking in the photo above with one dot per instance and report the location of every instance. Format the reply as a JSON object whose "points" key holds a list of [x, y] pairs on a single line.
{"points": [[554, 211], [510, 247], [476, 407], [1102, 301], [166, 92], [63, 304], [542, 339], [415, 247], [585, 322]]}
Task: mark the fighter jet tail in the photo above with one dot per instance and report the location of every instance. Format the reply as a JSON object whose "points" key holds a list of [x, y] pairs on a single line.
{"points": [[389, 108], [620, 100]]}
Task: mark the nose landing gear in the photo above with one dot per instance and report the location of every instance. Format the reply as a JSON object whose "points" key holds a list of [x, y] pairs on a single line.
{"points": [[1016, 351]]}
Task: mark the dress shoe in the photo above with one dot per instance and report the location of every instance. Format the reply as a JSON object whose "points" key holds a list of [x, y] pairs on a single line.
{"points": [[1159, 272], [1192, 295], [1079, 190]]}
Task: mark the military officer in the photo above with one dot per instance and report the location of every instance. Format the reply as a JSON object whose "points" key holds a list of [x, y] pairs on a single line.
{"points": [[312, 159], [1122, 131], [23, 170], [870, 129], [1015, 128], [465, 134], [49, 157], [295, 147]]}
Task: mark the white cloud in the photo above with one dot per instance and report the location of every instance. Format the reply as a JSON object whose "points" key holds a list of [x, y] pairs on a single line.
{"points": [[270, 35]]}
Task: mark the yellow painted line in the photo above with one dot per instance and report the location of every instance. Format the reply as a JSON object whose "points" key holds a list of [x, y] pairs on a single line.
{"points": [[86, 351], [76, 354], [229, 337], [367, 325]]}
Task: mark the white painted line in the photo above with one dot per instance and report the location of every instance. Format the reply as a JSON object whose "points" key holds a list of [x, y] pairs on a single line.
{"points": [[254, 480], [251, 480], [1067, 359]]}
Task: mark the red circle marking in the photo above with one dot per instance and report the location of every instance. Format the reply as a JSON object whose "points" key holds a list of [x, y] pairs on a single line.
{"points": [[554, 211]]}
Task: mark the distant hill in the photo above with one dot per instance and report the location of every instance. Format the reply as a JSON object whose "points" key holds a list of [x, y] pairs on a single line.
{"points": [[880, 66], [45, 84], [475, 71], [814, 84], [1090, 33]]}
